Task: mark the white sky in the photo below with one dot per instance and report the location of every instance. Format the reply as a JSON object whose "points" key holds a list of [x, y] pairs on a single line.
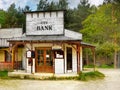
{"points": [[4, 4]]}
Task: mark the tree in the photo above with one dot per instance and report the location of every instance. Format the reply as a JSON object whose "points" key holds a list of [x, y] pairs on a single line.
{"points": [[52, 6], [43, 5], [111, 1], [11, 16], [63, 4], [27, 8], [115, 20], [78, 15], [99, 28], [2, 18]]}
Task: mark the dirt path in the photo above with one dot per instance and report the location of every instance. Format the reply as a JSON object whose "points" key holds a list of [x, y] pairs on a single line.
{"points": [[111, 82]]}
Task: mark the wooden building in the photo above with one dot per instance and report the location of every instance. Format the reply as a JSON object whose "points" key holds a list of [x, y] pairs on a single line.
{"points": [[46, 47]]}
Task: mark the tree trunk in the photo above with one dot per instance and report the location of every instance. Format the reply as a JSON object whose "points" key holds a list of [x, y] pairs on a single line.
{"points": [[115, 59]]}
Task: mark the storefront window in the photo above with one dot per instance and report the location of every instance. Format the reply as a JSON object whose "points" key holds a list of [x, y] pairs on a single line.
{"points": [[49, 61], [40, 57], [7, 57]]}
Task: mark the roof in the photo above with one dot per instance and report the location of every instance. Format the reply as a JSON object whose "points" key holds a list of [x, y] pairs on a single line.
{"points": [[7, 34], [87, 44], [10, 32], [43, 38], [68, 36]]}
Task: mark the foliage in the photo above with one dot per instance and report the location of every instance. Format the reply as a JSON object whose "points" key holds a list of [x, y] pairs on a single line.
{"points": [[100, 29], [90, 76], [43, 4], [2, 17], [77, 15], [46, 5], [13, 17]]}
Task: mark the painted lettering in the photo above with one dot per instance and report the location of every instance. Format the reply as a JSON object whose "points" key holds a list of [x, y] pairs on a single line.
{"points": [[46, 27]]}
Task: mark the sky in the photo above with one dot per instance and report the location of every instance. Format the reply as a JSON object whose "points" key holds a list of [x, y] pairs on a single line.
{"points": [[4, 4]]}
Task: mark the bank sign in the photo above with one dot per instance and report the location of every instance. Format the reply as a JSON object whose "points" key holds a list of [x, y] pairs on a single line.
{"points": [[49, 23]]}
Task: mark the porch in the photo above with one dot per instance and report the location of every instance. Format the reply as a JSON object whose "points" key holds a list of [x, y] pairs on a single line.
{"points": [[23, 75]]}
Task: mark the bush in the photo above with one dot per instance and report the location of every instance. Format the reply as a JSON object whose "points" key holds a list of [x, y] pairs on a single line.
{"points": [[90, 76]]}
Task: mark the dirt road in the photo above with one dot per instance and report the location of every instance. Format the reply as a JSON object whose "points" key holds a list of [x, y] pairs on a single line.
{"points": [[111, 82]]}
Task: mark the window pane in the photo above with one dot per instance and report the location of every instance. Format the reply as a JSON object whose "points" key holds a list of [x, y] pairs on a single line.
{"points": [[49, 61], [40, 58], [40, 51], [7, 57]]}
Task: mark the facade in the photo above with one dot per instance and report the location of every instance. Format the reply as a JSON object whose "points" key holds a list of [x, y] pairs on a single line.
{"points": [[46, 47], [5, 56]]}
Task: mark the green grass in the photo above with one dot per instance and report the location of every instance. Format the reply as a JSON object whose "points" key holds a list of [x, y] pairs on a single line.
{"points": [[90, 76], [101, 66], [4, 74], [106, 66]]}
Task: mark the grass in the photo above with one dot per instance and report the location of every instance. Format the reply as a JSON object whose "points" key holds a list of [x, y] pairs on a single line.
{"points": [[4, 74], [106, 66], [101, 66], [90, 76]]}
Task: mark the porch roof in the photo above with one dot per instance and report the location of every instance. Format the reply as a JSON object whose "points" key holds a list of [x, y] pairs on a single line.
{"points": [[87, 45], [67, 36], [43, 38]]}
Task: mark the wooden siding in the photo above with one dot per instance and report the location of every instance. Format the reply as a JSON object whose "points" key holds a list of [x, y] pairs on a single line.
{"points": [[5, 66], [2, 56], [54, 19], [3, 42]]}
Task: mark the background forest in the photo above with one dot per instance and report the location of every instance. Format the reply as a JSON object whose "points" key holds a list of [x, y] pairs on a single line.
{"points": [[100, 25]]}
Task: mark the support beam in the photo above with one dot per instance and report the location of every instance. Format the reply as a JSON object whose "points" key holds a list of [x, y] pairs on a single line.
{"points": [[13, 57], [78, 58]]}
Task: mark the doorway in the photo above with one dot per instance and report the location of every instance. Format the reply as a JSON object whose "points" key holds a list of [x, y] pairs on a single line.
{"points": [[69, 58], [44, 60]]}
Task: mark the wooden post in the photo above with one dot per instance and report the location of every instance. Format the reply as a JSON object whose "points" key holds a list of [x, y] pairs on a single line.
{"points": [[53, 57], [31, 57], [78, 58], [16, 58], [13, 57]]}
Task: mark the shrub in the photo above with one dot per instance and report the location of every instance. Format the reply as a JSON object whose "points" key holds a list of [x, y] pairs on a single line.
{"points": [[90, 76]]}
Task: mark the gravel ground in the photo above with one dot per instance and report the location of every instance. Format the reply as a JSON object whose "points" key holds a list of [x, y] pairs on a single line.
{"points": [[111, 82]]}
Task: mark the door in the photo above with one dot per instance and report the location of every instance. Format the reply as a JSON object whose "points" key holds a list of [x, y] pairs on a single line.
{"points": [[69, 58], [44, 61]]}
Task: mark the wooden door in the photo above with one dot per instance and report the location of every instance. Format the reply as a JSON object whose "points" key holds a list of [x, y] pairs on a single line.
{"points": [[44, 60]]}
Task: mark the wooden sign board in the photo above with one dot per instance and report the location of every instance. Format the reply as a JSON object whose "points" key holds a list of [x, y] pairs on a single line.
{"points": [[45, 23]]}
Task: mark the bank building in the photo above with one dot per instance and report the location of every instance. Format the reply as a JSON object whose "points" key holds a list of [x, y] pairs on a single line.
{"points": [[45, 47]]}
